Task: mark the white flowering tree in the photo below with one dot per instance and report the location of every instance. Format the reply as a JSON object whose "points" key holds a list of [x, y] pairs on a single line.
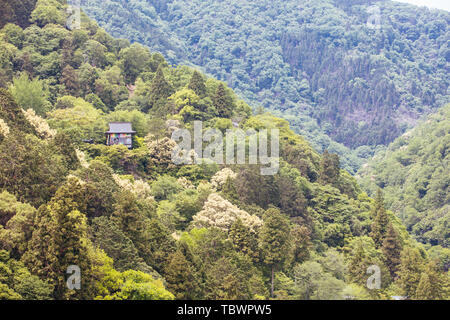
{"points": [[4, 129], [39, 123], [219, 179], [139, 188], [221, 213]]}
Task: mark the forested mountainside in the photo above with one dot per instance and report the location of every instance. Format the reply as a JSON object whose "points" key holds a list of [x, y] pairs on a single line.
{"points": [[16, 11], [140, 227], [316, 62], [415, 175]]}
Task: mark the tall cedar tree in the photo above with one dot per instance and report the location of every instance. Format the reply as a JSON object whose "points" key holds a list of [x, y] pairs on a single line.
{"points": [[223, 281], [329, 168], [161, 245], [30, 168], [244, 240], [67, 52], [197, 84], [223, 102], [107, 235], [160, 90], [357, 265], [60, 240], [392, 249], [180, 277], [292, 200], [100, 189], [69, 79], [135, 225], [274, 240], [380, 222], [410, 271], [301, 236], [62, 144], [432, 284]]}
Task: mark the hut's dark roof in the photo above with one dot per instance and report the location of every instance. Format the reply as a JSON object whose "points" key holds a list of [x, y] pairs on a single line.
{"points": [[120, 127]]}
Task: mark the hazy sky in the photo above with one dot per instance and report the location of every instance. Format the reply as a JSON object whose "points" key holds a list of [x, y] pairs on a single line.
{"points": [[440, 4]]}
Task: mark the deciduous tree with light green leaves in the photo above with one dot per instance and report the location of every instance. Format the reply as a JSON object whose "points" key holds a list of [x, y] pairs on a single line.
{"points": [[30, 94]]}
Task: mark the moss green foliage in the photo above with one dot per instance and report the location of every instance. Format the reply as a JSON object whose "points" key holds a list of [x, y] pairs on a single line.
{"points": [[180, 277], [30, 94], [16, 11], [139, 226], [30, 168], [17, 283]]}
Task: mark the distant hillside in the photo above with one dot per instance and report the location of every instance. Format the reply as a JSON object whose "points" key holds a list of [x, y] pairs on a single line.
{"points": [[415, 175], [316, 62]]}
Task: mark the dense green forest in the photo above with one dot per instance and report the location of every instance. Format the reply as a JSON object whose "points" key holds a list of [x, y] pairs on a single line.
{"points": [[140, 227], [344, 86], [414, 172]]}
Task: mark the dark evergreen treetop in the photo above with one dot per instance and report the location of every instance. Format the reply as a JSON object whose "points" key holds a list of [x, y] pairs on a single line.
{"points": [[197, 84]]}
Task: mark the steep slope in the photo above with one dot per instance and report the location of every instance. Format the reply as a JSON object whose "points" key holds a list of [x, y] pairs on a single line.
{"points": [[415, 175], [317, 62], [137, 225]]}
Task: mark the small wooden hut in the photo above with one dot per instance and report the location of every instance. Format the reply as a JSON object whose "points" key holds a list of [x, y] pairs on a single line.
{"points": [[120, 133]]}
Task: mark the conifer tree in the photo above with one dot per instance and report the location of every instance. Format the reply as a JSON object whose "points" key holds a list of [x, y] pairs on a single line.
{"points": [[244, 240], [130, 219], [70, 80], [151, 239], [432, 284], [301, 236], [61, 142], [160, 90], [410, 271], [357, 265], [180, 277], [274, 240], [160, 245], [107, 236], [424, 290], [229, 189], [223, 102], [197, 84], [380, 222], [329, 168], [60, 240], [392, 250], [224, 282]]}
